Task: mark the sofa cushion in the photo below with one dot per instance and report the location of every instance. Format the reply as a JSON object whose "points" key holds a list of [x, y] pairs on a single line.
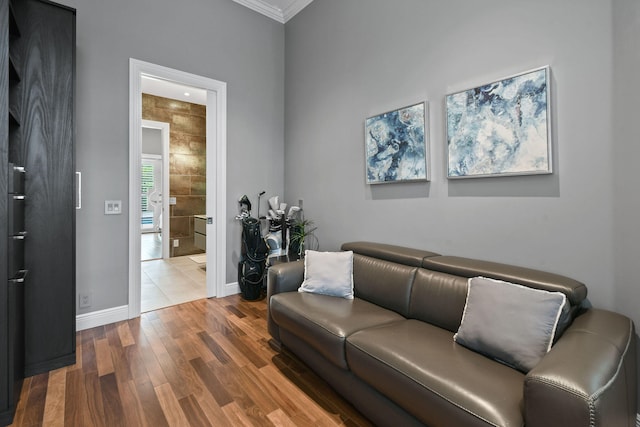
{"points": [[328, 273], [421, 369], [383, 283], [324, 322], [438, 298], [511, 323]]}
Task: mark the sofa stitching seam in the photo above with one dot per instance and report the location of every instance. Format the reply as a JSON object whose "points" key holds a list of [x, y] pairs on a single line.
{"points": [[557, 384], [602, 389], [588, 400]]}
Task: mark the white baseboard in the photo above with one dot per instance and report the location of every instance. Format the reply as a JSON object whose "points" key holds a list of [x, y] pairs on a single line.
{"points": [[101, 317], [118, 314], [231, 289]]}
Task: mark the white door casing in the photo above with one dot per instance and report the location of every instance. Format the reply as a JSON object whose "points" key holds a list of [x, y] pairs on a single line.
{"points": [[216, 182]]}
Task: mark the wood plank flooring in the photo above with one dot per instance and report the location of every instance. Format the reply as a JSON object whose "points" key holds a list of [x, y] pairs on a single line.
{"points": [[204, 363]]}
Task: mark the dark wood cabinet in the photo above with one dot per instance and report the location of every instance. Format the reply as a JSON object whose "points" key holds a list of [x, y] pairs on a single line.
{"points": [[37, 194], [12, 233], [5, 406], [46, 52]]}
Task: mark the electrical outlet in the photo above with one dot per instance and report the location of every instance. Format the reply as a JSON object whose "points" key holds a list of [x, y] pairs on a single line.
{"points": [[176, 243], [300, 201], [85, 300]]}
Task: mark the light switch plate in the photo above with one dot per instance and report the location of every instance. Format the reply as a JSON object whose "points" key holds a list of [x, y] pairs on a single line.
{"points": [[113, 207]]}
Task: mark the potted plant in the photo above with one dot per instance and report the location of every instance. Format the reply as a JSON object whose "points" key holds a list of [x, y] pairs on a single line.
{"points": [[302, 237]]}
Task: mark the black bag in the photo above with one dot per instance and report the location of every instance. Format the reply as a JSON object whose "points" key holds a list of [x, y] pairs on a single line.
{"points": [[252, 264]]}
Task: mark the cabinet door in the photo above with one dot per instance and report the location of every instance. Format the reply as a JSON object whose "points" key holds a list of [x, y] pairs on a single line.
{"points": [[16, 337], [47, 49], [5, 405]]}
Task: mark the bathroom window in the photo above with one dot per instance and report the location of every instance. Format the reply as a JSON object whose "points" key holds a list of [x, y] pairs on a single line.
{"points": [[147, 184]]}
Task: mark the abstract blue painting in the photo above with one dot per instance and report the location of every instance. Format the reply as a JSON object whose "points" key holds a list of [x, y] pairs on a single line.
{"points": [[395, 145], [501, 128]]}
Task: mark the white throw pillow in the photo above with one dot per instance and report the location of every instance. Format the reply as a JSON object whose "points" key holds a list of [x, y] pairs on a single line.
{"points": [[328, 273], [510, 323]]}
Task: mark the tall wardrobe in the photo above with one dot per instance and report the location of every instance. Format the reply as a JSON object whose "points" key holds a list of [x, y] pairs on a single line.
{"points": [[37, 193]]}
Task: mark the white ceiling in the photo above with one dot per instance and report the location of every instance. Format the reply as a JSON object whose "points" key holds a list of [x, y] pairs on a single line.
{"points": [[280, 10], [171, 90]]}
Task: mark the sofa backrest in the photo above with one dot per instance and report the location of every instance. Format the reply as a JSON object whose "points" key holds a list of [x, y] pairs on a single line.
{"points": [[430, 287], [438, 298], [575, 291], [399, 254], [384, 283], [383, 274]]}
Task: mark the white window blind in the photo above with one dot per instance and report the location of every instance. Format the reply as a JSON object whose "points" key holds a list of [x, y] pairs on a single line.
{"points": [[146, 184]]}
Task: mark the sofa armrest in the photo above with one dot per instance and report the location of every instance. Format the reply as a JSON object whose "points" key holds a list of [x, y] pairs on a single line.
{"points": [[589, 376], [285, 277]]}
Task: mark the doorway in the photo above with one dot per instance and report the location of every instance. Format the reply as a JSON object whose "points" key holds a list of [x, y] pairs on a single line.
{"points": [[180, 275], [215, 215], [151, 206], [154, 186]]}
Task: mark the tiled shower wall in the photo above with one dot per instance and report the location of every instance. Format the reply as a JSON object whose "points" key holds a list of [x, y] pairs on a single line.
{"points": [[187, 165]]}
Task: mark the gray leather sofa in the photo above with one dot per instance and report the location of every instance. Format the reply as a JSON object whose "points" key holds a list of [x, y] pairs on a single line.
{"points": [[390, 351]]}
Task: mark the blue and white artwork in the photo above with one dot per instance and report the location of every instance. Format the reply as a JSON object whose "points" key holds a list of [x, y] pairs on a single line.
{"points": [[502, 128], [395, 146]]}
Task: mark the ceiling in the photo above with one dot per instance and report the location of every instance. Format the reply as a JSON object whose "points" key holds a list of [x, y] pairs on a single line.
{"points": [[171, 90], [279, 10]]}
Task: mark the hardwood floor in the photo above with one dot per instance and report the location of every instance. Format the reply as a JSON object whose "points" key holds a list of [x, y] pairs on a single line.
{"points": [[203, 363]]}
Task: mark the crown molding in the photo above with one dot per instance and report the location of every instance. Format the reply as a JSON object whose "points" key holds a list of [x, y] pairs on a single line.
{"points": [[273, 12], [295, 7]]}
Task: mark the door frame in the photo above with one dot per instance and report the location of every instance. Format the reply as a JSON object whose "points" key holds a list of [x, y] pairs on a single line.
{"points": [[216, 155], [165, 131]]}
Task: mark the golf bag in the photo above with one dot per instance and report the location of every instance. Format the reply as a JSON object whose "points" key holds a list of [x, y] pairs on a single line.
{"points": [[253, 256]]}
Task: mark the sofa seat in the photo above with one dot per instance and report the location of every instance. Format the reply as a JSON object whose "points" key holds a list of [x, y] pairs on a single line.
{"points": [[420, 368], [324, 322]]}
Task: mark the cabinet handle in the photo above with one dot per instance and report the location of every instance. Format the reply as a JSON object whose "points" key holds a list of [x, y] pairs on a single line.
{"points": [[18, 197], [22, 274], [20, 236], [79, 195]]}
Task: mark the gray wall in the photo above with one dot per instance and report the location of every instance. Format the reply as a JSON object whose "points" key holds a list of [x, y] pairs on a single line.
{"points": [[218, 39], [348, 60], [626, 149]]}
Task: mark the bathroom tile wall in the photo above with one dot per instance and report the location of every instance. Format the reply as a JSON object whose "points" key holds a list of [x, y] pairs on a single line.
{"points": [[187, 164]]}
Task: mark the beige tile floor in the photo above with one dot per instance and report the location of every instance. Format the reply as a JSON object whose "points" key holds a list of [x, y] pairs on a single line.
{"points": [[171, 281], [151, 246]]}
